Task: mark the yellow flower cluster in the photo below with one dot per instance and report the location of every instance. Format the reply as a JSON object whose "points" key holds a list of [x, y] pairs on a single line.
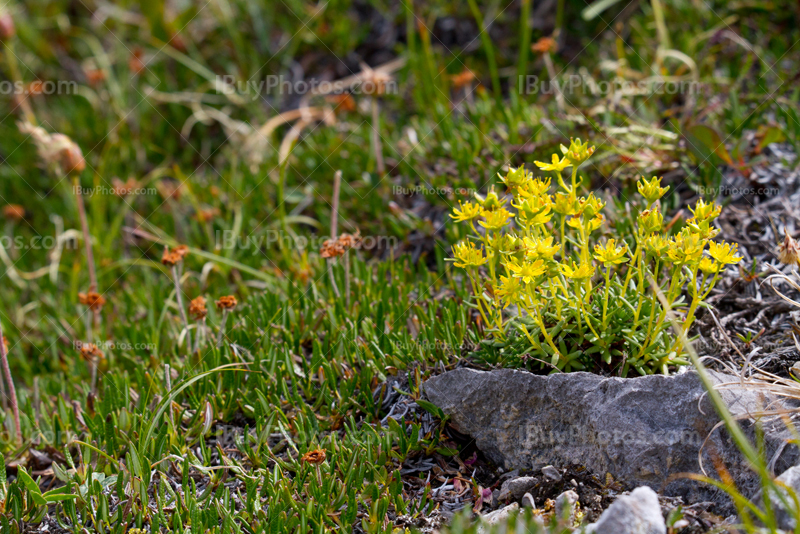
{"points": [[539, 255]]}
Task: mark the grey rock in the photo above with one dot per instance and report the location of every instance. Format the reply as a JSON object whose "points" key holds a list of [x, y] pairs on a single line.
{"points": [[551, 473], [516, 488], [784, 516], [496, 517], [528, 502], [565, 505], [641, 430], [637, 513]]}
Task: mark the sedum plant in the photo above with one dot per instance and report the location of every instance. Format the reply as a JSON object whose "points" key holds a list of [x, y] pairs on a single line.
{"points": [[584, 300]]}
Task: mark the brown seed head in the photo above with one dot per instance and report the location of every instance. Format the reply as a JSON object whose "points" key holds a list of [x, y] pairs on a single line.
{"points": [[226, 303], [13, 212], [463, 78], [331, 249], [7, 29], [348, 241], [341, 102], [94, 76], [314, 457], [789, 250], [89, 351], [173, 257], [92, 299], [544, 45], [181, 250], [374, 82], [68, 154], [197, 308]]}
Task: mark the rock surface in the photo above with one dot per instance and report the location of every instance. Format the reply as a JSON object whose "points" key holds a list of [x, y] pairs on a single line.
{"points": [[641, 430], [515, 488], [498, 516], [551, 473], [785, 518], [565, 506], [637, 513]]}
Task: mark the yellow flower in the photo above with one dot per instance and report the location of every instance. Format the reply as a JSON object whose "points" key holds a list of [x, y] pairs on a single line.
{"points": [[495, 220], [651, 190], [702, 228], [534, 210], [590, 206], [709, 266], [577, 153], [506, 243], [516, 177], [566, 204], [466, 254], [705, 212], [595, 223], [557, 165], [527, 271], [724, 253], [535, 188], [686, 247], [577, 273], [509, 290], [491, 202], [467, 212], [656, 245], [650, 221], [541, 248], [591, 225], [611, 253]]}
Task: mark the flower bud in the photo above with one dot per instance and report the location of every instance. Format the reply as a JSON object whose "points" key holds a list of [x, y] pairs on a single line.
{"points": [[68, 154], [789, 250], [7, 29]]}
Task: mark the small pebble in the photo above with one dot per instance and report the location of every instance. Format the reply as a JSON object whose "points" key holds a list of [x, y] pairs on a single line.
{"points": [[565, 505], [528, 502], [551, 472]]}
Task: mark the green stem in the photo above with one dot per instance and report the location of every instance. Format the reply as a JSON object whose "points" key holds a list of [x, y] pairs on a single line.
{"points": [[661, 24], [488, 50], [525, 41], [605, 296]]}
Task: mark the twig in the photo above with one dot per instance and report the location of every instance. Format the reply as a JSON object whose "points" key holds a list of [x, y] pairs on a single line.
{"points": [[87, 242], [179, 298], [10, 383], [377, 148], [168, 380], [337, 182], [222, 327]]}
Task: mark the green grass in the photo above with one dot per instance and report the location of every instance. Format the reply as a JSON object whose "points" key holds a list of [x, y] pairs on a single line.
{"points": [[304, 371], [241, 417]]}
